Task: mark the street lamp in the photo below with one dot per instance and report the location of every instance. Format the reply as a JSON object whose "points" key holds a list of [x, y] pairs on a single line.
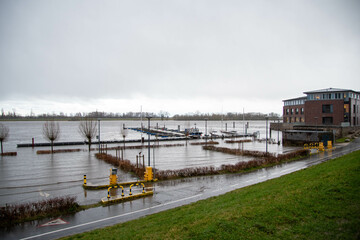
{"points": [[278, 131], [266, 134], [206, 131], [148, 117], [99, 133]]}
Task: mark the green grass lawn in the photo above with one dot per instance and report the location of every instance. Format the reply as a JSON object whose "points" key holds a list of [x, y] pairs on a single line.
{"points": [[321, 202]]}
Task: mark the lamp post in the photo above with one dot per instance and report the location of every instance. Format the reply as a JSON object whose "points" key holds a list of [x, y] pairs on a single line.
{"points": [[148, 117], [317, 135], [206, 131], [266, 134], [99, 133], [278, 131]]}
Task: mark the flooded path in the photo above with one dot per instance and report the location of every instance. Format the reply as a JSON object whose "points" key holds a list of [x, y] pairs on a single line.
{"points": [[168, 194]]}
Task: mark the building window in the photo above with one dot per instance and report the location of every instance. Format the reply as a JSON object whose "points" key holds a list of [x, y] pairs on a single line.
{"points": [[287, 111], [327, 120], [297, 111], [302, 110], [292, 111], [327, 108]]}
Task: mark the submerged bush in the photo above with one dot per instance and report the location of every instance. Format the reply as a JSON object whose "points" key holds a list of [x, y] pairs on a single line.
{"points": [[264, 159], [10, 214]]}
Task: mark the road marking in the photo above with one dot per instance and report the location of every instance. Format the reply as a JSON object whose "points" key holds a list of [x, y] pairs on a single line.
{"points": [[57, 221], [117, 216]]}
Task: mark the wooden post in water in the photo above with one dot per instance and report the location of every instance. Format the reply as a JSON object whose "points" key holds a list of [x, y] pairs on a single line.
{"points": [[143, 161]]}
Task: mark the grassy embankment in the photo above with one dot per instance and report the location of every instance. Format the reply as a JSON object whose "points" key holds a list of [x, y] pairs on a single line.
{"points": [[321, 202]]}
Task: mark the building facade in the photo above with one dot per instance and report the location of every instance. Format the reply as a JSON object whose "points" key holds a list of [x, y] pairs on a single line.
{"points": [[331, 106]]}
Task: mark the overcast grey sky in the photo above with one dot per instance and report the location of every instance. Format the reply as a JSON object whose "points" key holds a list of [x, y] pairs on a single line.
{"points": [[174, 55]]}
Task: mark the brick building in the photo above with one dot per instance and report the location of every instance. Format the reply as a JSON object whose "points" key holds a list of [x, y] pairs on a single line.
{"points": [[331, 106]]}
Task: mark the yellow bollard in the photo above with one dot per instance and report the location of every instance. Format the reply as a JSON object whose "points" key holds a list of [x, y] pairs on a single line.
{"points": [[130, 189], [108, 196], [329, 144], [122, 191], [113, 176], [148, 176], [84, 179], [143, 191]]}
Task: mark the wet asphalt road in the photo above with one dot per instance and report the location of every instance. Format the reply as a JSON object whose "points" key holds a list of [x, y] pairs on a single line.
{"points": [[167, 195]]}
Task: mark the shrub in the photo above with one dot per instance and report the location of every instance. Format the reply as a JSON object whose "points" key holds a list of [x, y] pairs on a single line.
{"points": [[10, 214]]}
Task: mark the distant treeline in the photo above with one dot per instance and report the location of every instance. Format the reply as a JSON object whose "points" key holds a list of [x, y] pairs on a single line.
{"points": [[137, 115], [80, 116], [227, 116]]}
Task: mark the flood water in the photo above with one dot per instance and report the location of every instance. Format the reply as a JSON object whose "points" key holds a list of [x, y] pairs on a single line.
{"points": [[30, 177]]}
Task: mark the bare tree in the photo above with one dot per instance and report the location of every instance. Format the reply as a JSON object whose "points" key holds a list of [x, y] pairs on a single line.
{"points": [[51, 132], [4, 133], [88, 130]]}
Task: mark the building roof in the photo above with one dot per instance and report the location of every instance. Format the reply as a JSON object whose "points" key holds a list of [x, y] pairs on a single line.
{"points": [[327, 90], [298, 98]]}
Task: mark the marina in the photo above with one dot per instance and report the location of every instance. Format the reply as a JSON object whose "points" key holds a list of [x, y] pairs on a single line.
{"points": [[31, 177]]}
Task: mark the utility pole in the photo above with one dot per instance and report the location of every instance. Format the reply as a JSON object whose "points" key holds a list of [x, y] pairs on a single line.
{"points": [[148, 117]]}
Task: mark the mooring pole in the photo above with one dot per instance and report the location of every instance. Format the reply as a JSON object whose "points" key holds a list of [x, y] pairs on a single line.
{"points": [[148, 140]]}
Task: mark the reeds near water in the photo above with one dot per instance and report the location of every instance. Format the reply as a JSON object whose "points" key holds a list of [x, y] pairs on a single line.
{"points": [[58, 151], [10, 214], [8, 154], [265, 159], [238, 141]]}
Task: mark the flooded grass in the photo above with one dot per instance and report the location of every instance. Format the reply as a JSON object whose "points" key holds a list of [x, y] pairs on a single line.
{"points": [[238, 141], [267, 159], [205, 143], [8, 154], [321, 202]]}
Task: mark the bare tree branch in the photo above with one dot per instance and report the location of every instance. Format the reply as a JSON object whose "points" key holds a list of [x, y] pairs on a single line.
{"points": [[88, 130], [4, 133], [51, 132]]}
